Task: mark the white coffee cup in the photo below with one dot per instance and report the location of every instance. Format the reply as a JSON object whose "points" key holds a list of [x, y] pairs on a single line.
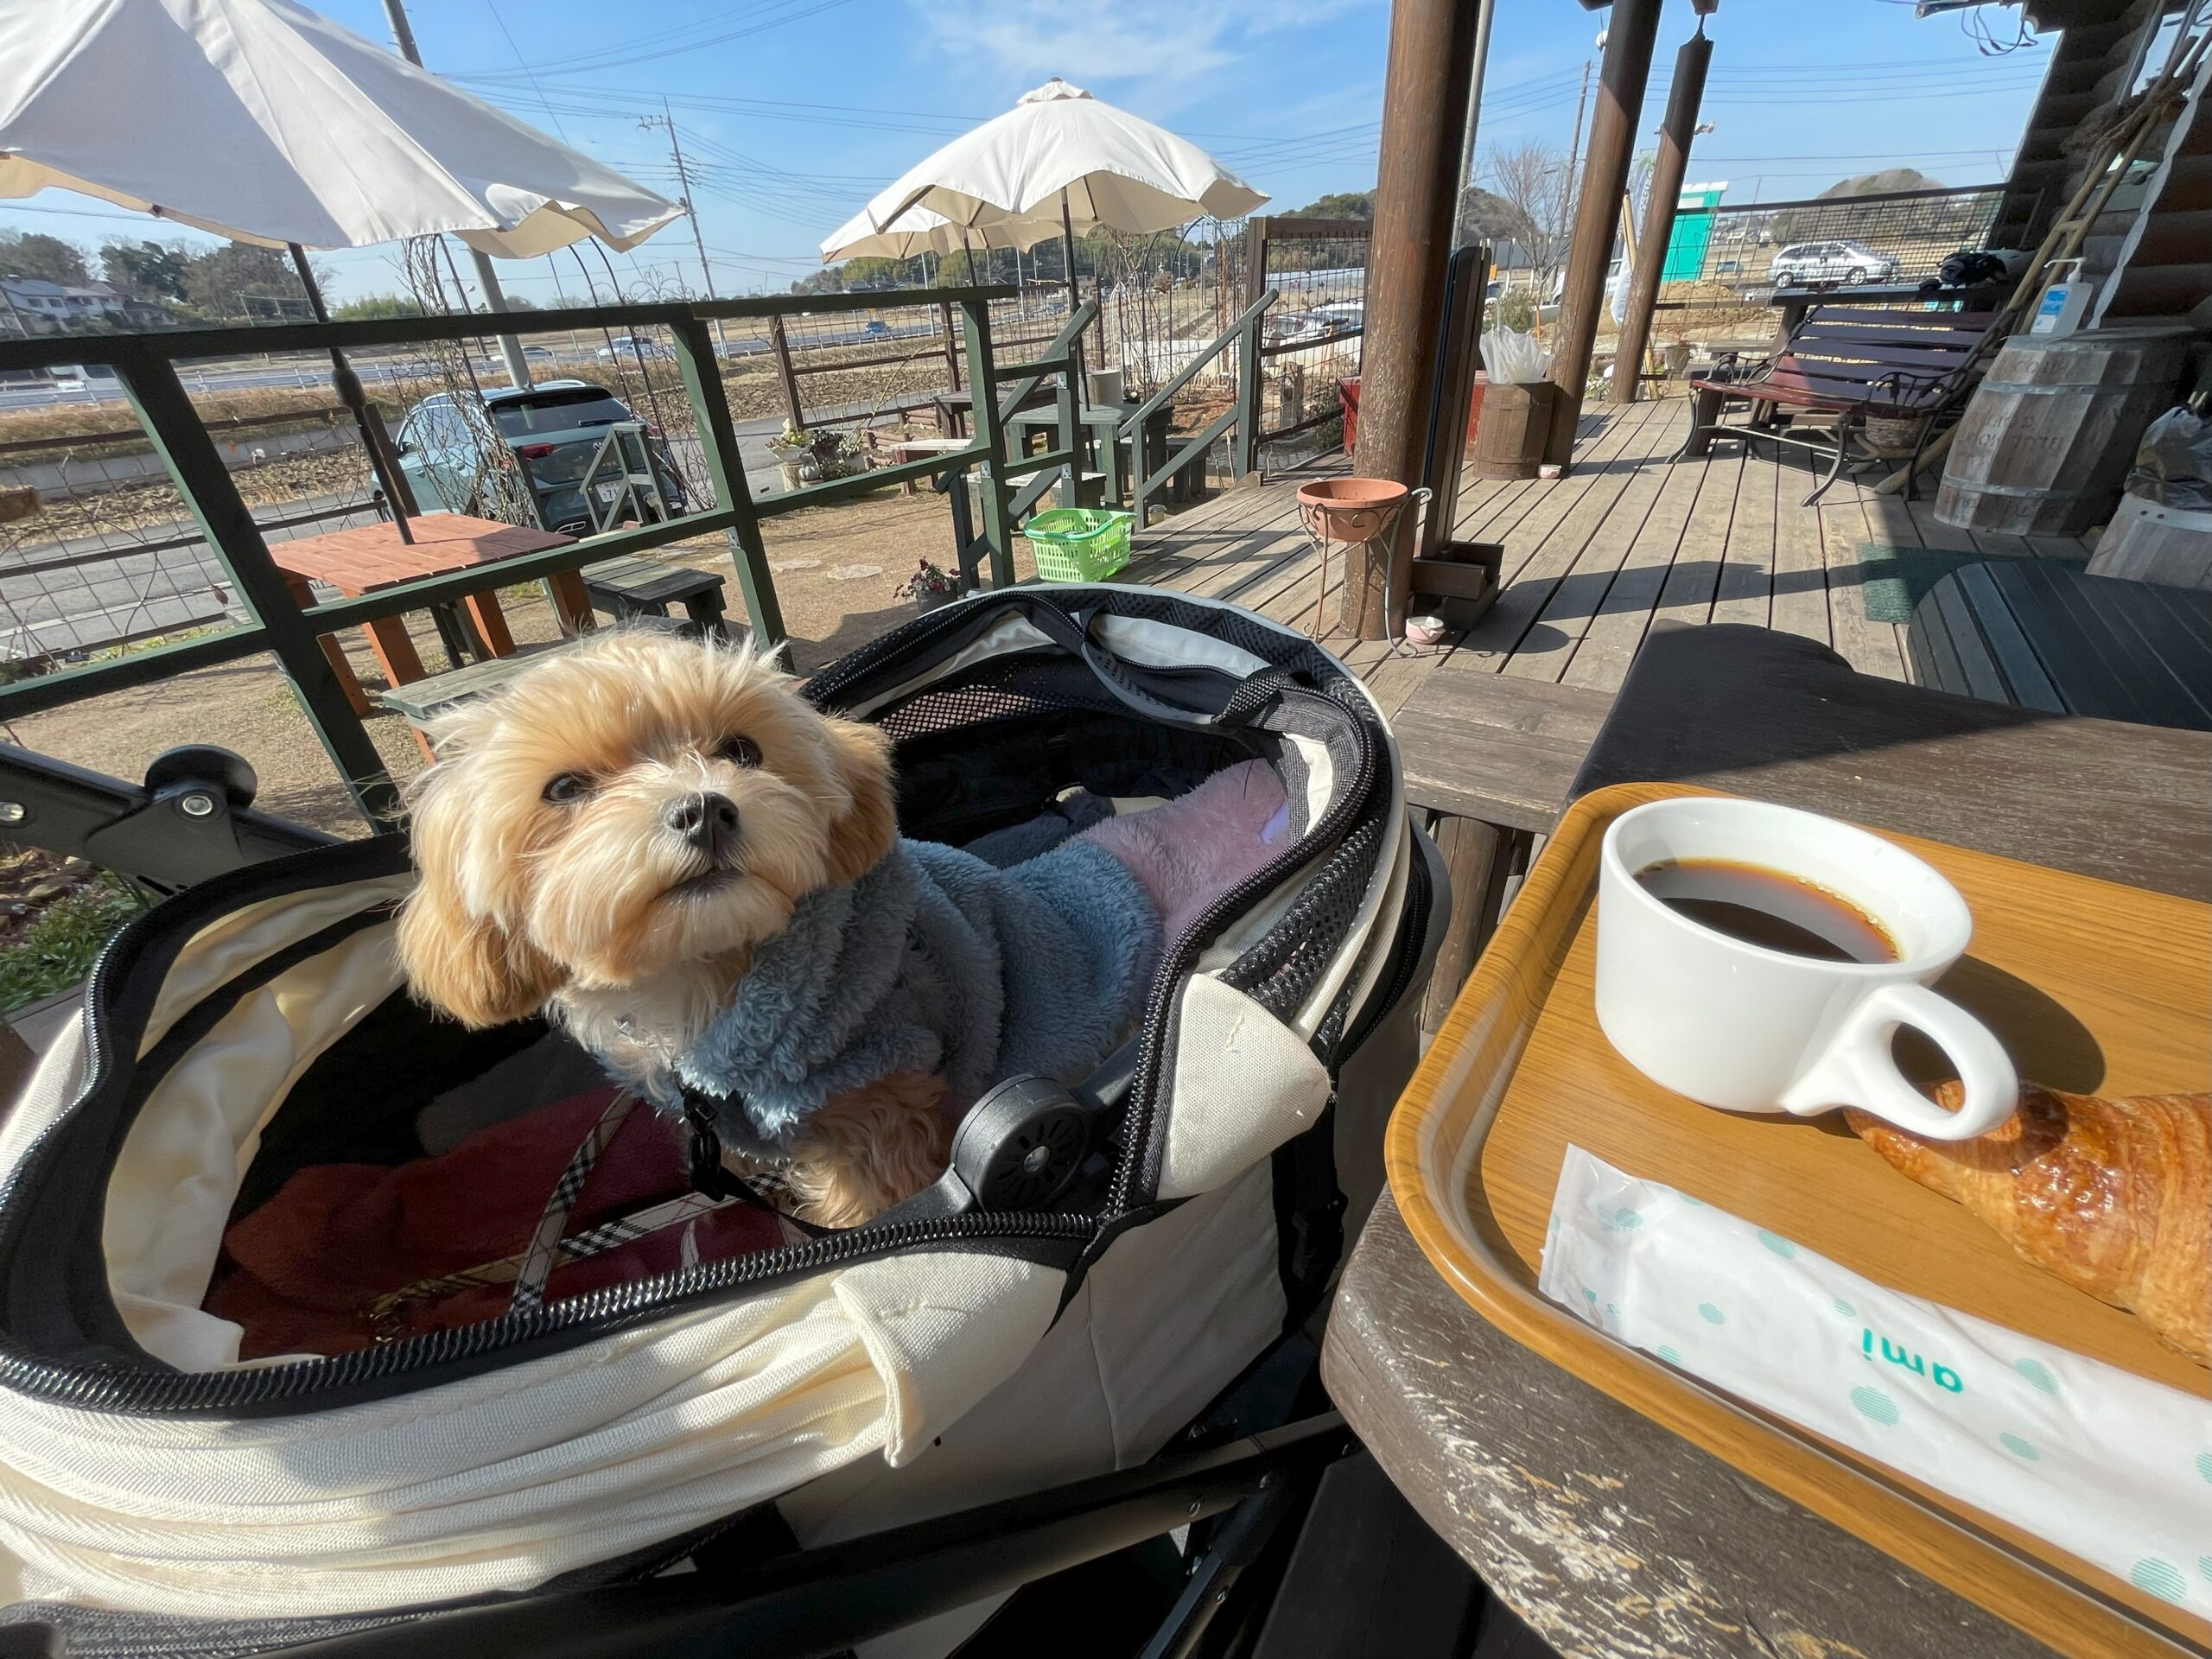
{"points": [[1750, 1029]]}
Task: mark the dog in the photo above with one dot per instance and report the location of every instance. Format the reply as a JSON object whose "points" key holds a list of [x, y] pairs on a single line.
{"points": [[698, 874]]}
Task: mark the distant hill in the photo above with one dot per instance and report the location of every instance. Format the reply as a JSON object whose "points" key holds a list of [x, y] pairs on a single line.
{"points": [[1889, 179], [1802, 224], [1339, 203], [1486, 215]]}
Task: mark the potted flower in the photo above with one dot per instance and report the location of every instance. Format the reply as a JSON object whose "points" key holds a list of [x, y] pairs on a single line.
{"points": [[929, 587], [792, 449]]}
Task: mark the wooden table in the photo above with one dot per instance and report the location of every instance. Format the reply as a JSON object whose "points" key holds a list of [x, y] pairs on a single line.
{"points": [[372, 556], [1604, 1532]]}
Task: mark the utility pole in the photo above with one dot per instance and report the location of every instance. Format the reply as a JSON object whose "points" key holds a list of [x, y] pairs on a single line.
{"points": [[1574, 145], [683, 181], [1463, 232], [403, 36]]}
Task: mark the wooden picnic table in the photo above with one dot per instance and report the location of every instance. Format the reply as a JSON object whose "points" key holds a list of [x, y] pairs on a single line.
{"points": [[1604, 1532], [372, 556]]}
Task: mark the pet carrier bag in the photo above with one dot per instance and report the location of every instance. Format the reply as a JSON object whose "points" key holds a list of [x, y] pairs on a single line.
{"points": [[1098, 1263]]}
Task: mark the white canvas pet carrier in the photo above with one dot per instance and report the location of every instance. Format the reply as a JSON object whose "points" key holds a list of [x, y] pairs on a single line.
{"points": [[990, 1338]]}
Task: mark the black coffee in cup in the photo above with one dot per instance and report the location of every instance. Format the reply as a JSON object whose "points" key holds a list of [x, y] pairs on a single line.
{"points": [[1768, 908]]}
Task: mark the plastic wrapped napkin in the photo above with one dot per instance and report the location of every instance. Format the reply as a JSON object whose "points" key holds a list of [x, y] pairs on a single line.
{"points": [[1509, 356], [2104, 1464]]}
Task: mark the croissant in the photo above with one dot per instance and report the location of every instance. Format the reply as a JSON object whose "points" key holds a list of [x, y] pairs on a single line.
{"points": [[2112, 1196]]}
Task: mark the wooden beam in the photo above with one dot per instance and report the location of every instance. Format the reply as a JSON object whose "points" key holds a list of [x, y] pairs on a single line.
{"points": [[1675, 137], [1424, 118], [1629, 36]]}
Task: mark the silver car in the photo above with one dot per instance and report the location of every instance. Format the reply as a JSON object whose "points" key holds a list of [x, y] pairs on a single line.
{"points": [[1804, 264]]}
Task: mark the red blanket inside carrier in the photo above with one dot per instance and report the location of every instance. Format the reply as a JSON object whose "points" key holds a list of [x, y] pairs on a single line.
{"points": [[563, 1200]]}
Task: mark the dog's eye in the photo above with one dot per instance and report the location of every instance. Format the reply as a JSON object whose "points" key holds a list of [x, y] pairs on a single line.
{"points": [[740, 752], [566, 789]]}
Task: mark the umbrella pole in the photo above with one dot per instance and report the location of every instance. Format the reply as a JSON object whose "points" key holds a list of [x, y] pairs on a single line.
{"points": [[1076, 387], [347, 385]]}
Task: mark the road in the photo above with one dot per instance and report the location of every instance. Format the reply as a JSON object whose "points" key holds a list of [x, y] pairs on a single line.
{"points": [[137, 594], [95, 388], [132, 595]]}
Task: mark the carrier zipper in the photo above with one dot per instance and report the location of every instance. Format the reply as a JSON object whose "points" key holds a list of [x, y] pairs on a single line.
{"points": [[1421, 899], [104, 1389], [1183, 958]]}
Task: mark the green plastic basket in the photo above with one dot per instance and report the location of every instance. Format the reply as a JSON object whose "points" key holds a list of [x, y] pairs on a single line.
{"points": [[1079, 543]]}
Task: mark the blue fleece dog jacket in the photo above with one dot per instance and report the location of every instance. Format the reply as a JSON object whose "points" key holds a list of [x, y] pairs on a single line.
{"points": [[933, 961]]}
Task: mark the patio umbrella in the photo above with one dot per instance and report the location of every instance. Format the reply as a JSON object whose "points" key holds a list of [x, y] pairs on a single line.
{"points": [[259, 120], [1061, 154]]}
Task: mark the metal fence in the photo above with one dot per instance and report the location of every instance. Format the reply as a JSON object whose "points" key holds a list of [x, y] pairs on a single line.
{"points": [[198, 489], [1312, 337], [1900, 236], [205, 504]]}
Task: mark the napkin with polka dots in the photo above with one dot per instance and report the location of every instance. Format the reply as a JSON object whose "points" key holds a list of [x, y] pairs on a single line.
{"points": [[2104, 1464]]}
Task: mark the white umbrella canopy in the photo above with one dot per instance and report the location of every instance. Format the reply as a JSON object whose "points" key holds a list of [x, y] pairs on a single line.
{"points": [[1060, 149], [257, 119], [918, 231]]}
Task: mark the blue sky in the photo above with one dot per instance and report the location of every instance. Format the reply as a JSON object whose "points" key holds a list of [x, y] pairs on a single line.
{"points": [[797, 110]]}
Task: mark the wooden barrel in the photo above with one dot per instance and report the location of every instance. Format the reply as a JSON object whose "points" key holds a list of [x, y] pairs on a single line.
{"points": [[2049, 435], [1511, 428]]}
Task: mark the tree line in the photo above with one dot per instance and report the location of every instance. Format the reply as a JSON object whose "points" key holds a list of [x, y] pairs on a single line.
{"points": [[234, 281]]}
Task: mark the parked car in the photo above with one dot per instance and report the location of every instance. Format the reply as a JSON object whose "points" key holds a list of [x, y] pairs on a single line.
{"points": [[553, 430], [1802, 263], [632, 348]]}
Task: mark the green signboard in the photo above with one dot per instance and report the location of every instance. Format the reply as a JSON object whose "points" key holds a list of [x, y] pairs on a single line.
{"points": [[1693, 230]]}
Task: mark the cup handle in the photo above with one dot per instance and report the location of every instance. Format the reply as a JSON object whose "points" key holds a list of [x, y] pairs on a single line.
{"points": [[1857, 1068]]}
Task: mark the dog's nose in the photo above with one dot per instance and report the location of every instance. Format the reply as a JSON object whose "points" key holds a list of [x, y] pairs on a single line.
{"points": [[708, 821]]}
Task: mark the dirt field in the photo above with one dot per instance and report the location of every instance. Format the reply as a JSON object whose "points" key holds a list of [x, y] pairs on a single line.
{"points": [[834, 568]]}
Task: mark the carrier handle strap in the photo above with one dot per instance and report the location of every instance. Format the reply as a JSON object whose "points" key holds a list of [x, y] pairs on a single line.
{"points": [[540, 1255], [1114, 674]]}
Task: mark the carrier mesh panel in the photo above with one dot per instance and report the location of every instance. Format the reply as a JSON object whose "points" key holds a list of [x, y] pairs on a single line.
{"points": [[993, 693], [1282, 968]]}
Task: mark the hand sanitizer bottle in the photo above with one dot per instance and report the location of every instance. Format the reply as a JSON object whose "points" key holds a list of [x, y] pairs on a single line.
{"points": [[2064, 304]]}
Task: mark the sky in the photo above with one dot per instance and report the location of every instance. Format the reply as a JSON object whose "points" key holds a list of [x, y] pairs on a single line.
{"points": [[795, 111]]}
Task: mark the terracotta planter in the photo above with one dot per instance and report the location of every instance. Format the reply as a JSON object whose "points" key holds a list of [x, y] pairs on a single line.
{"points": [[1350, 509]]}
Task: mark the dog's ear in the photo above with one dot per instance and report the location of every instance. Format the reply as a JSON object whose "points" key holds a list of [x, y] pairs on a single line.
{"points": [[466, 964], [455, 958], [859, 759]]}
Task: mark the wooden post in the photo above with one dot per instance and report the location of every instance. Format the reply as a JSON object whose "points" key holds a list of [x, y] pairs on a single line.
{"points": [[1424, 119], [780, 342], [1667, 175], [990, 431], [195, 466], [1256, 258], [748, 555], [951, 345], [1629, 40]]}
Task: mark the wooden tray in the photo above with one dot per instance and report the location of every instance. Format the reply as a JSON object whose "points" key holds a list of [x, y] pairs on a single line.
{"points": [[2092, 987]]}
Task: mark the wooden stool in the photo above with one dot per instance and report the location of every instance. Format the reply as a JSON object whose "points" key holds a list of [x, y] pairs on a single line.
{"points": [[633, 588]]}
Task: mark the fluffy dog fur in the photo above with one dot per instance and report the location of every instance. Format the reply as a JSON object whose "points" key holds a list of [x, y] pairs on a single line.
{"points": [[592, 908]]}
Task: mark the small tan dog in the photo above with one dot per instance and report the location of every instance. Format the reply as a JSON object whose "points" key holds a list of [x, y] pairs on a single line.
{"points": [[699, 875], [610, 838]]}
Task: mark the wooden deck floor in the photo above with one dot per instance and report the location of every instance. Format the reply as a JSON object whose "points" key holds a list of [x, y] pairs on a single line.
{"points": [[1592, 560]]}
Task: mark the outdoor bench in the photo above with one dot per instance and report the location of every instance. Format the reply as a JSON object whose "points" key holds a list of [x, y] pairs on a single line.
{"points": [[1903, 364]]}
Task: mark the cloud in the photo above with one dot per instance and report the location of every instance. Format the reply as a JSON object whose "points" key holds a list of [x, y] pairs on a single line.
{"points": [[1161, 42]]}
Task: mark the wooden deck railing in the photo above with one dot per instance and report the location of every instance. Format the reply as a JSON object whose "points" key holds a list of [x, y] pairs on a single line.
{"points": [[146, 367]]}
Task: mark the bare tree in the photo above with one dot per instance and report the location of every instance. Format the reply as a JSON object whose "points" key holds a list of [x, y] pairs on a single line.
{"points": [[1530, 181]]}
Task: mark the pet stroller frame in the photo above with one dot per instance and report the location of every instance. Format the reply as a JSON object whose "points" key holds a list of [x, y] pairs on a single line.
{"points": [[992, 704]]}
